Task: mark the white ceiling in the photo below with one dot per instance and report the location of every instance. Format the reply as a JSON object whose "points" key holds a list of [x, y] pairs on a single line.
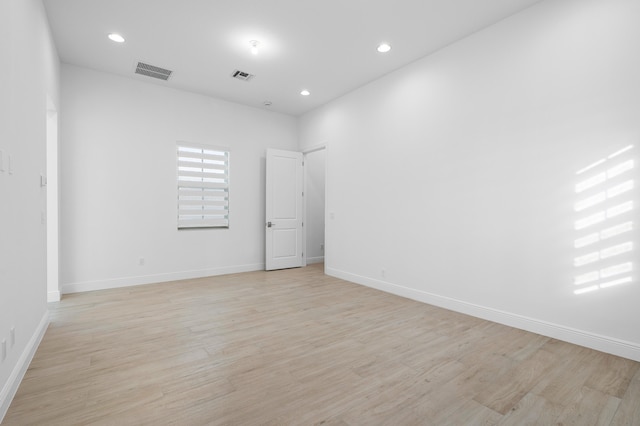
{"points": [[326, 46]]}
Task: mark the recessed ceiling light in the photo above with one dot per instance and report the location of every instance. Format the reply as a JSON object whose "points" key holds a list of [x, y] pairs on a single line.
{"points": [[116, 37], [254, 46], [305, 93], [384, 48], [268, 103]]}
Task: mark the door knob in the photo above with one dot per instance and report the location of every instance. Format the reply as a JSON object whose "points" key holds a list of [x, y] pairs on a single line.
{"points": [[269, 225]]}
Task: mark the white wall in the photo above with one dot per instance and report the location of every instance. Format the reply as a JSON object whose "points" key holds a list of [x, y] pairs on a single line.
{"points": [[118, 189], [314, 205], [455, 175], [29, 70]]}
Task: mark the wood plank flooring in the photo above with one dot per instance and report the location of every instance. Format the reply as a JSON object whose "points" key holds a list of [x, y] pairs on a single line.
{"points": [[296, 347]]}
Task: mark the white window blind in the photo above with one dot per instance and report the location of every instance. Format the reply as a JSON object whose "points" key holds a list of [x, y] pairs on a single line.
{"points": [[203, 186]]}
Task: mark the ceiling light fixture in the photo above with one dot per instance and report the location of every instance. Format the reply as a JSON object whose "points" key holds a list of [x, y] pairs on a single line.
{"points": [[254, 46], [116, 37], [384, 48], [305, 92]]}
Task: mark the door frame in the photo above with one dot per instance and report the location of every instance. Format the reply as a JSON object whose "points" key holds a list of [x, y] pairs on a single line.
{"points": [[52, 204], [309, 150]]}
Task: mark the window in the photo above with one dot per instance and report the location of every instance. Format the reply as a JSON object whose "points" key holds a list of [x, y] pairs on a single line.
{"points": [[203, 186]]}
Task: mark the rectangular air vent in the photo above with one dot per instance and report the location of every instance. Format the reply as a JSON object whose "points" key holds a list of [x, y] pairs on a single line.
{"points": [[241, 75], [153, 71]]}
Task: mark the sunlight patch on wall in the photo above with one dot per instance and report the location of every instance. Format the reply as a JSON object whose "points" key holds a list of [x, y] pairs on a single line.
{"points": [[605, 231]]}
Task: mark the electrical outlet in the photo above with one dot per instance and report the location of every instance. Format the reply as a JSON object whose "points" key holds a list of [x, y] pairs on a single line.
{"points": [[141, 261], [4, 349], [12, 337], [321, 247], [383, 273]]}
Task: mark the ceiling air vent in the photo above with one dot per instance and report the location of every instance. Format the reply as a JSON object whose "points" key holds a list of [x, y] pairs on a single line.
{"points": [[241, 75], [153, 71]]}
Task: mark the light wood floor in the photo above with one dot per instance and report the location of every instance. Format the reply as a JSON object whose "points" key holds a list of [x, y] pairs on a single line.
{"points": [[298, 347]]}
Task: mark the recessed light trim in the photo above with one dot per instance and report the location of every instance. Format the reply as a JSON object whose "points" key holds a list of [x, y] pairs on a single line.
{"points": [[116, 37], [254, 46], [305, 92], [384, 47]]}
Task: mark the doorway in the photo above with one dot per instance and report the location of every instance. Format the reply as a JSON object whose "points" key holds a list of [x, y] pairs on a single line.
{"points": [[295, 208], [315, 204]]}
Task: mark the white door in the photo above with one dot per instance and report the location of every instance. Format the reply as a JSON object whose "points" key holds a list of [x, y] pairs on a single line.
{"points": [[283, 225]]}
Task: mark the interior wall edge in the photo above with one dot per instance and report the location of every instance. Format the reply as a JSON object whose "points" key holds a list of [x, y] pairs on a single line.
{"points": [[80, 287], [557, 331], [11, 386]]}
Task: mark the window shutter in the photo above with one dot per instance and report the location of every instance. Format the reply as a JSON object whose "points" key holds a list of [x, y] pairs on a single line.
{"points": [[203, 186]]}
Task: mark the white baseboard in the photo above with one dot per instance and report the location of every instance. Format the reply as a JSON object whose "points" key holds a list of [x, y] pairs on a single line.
{"points": [[579, 337], [156, 278], [11, 387], [53, 296], [312, 260]]}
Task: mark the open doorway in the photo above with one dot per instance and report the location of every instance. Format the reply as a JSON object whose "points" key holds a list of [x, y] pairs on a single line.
{"points": [[314, 204]]}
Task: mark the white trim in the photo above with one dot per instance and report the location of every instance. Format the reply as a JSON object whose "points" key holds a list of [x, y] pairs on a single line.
{"points": [[11, 387], [53, 201], [157, 278], [305, 197], [53, 296], [312, 260], [606, 344], [314, 148]]}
